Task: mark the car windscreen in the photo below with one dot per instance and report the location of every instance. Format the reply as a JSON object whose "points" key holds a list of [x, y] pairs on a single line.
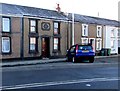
{"points": [[84, 47]]}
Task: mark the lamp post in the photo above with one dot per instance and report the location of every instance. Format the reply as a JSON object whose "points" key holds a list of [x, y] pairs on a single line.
{"points": [[73, 30]]}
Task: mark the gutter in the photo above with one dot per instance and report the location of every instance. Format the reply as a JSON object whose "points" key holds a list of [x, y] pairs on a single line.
{"points": [[22, 38]]}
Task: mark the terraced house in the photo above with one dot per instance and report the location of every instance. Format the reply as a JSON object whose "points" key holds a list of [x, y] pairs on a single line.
{"points": [[101, 33], [28, 32]]}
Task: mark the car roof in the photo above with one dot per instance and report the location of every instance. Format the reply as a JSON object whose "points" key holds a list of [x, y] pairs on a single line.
{"points": [[84, 44]]}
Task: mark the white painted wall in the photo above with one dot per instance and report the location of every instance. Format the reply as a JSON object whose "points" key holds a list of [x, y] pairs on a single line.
{"points": [[107, 38]]}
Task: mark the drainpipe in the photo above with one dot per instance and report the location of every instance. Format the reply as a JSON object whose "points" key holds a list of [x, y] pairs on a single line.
{"points": [[22, 38], [73, 30]]}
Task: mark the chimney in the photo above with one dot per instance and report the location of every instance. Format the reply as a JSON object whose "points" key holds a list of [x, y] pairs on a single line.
{"points": [[58, 8]]}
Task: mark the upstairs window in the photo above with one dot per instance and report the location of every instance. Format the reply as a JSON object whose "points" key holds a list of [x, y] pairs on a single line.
{"points": [[6, 24], [84, 30], [56, 28], [99, 31], [33, 26]]}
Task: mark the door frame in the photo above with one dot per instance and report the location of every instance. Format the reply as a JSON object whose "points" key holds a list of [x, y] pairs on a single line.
{"points": [[48, 40], [94, 46]]}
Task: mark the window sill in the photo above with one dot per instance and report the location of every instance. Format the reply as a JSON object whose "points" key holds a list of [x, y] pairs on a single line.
{"points": [[33, 52], [84, 36], [56, 51], [99, 37], [6, 53], [57, 35]]}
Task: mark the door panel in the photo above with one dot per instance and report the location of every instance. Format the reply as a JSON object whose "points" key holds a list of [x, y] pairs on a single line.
{"points": [[45, 47], [92, 42]]}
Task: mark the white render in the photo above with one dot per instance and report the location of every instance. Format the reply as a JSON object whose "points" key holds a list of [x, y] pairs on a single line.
{"points": [[108, 38]]}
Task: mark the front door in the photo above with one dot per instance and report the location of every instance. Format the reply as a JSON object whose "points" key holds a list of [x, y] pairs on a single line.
{"points": [[45, 47], [92, 42]]}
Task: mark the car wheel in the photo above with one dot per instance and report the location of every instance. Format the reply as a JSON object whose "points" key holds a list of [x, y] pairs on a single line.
{"points": [[91, 60]]}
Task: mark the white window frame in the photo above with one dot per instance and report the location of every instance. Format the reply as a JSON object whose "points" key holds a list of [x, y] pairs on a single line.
{"points": [[6, 46], [118, 32], [32, 44], [113, 33], [93, 45], [84, 40], [56, 44], [56, 28], [5, 24], [112, 43], [99, 31], [98, 44], [33, 26], [84, 30]]}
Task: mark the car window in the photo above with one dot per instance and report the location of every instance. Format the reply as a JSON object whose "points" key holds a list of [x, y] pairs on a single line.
{"points": [[72, 49], [85, 47]]}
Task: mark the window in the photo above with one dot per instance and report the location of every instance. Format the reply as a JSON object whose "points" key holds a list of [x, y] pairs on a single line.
{"points": [[57, 44], [99, 31], [112, 43], [6, 24], [118, 32], [98, 45], [84, 41], [33, 26], [84, 30], [118, 43], [5, 45], [112, 33], [82, 47], [72, 49], [56, 28], [33, 44]]}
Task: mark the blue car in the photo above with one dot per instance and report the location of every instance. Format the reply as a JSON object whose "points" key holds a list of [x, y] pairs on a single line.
{"points": [[79, 53]]}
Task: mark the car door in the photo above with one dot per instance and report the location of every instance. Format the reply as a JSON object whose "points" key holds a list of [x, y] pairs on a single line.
{"points": [[71, 52]]}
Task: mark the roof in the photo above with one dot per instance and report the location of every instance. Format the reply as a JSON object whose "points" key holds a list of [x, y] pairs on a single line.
{"points": [[10, 9], [93, 20]]}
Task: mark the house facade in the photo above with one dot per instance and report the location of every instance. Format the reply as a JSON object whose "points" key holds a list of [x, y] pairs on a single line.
{"points": [[99, 32], [28, 32], [119, 40], [111, 38]]}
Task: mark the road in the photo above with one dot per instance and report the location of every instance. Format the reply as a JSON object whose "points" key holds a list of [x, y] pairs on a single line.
{"points": [[102, 74]]}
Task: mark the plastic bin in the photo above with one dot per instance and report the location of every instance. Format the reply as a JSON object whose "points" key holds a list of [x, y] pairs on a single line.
{"points": [[102, 53], [105, 52], [108, 52]]}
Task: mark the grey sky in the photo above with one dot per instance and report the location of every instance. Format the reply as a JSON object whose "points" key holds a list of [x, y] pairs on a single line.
{"points": [[106, 8]]}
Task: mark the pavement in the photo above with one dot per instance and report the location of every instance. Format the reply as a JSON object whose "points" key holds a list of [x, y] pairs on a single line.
{"points": [[41, 61]]}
